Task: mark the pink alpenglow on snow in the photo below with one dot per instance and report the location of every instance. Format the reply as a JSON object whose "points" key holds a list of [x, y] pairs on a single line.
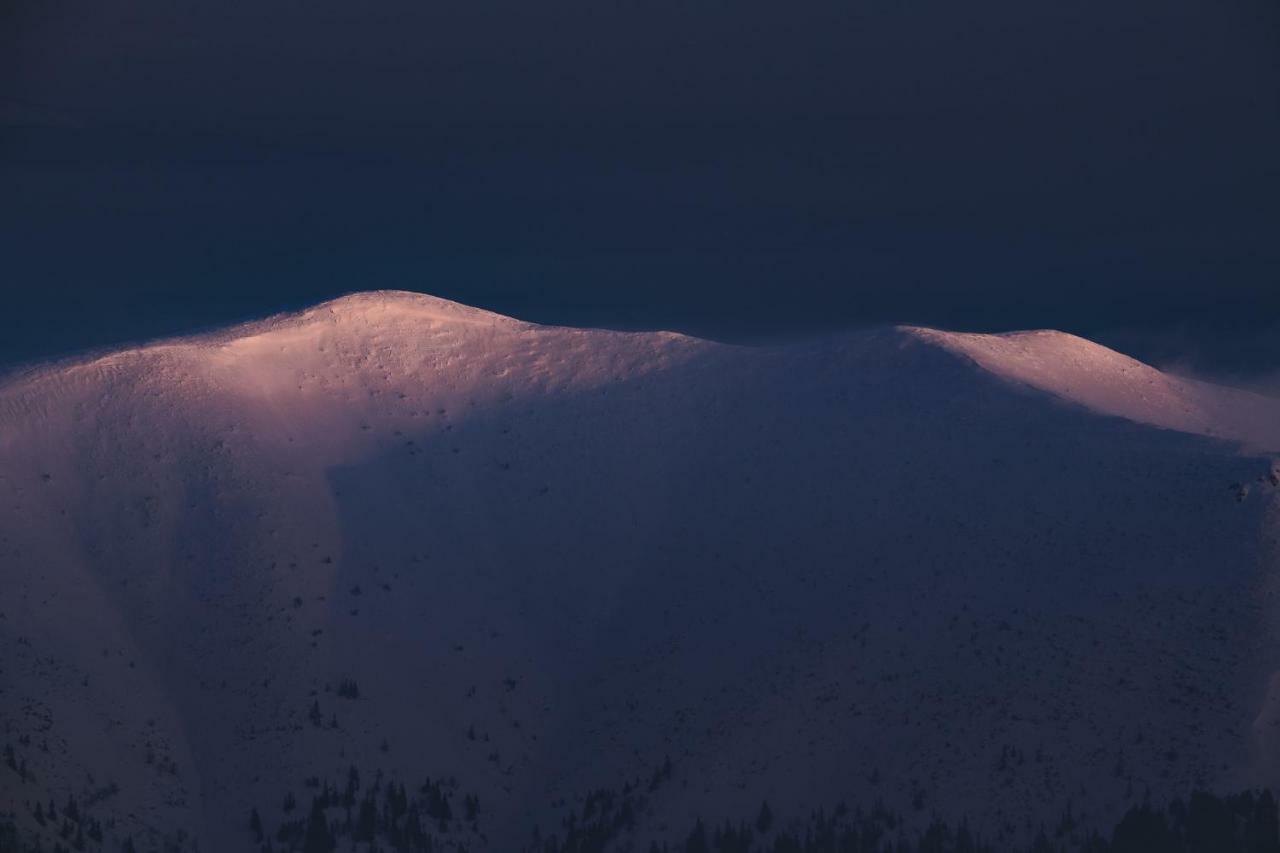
{"points": [[421, 539]]}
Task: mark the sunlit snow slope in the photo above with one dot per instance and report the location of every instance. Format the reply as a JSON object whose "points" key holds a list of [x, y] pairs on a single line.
{"points": [[962, 574]]}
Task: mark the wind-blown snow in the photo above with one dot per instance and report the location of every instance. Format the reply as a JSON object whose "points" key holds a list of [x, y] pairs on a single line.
{"points": [[868, 567], [1110, 383]]}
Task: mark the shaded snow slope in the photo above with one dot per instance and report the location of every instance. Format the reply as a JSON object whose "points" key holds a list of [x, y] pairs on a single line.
{"points": [[868, 567]]}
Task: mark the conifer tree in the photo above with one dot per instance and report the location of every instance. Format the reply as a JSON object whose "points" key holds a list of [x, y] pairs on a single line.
{"points": [[318, 838], [764, 820]]}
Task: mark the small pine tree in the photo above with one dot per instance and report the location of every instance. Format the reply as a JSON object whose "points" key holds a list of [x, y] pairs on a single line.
{"points": [[697, 842], [353, 785], [255, 825], [764, 820], [318, 838], [367, 822]]}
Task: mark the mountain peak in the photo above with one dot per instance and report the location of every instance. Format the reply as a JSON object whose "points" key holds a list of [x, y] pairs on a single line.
{"points": [[421, 305], [407, 330], [624, 538]]}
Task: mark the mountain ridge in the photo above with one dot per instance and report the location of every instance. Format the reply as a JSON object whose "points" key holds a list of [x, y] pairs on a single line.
{"points": [[552, 558], [1058, 363]]}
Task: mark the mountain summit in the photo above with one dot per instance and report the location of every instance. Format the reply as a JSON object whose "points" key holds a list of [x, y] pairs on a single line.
{"points": [[993, 576]]}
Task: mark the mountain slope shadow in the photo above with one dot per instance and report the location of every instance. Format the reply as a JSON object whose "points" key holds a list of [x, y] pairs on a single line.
{"points": [[842, 570]]}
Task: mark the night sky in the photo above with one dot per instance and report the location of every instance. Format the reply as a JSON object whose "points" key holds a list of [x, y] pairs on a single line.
{"points": [[738, 169]]}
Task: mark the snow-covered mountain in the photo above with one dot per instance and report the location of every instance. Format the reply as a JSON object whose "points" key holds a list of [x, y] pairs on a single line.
{"points": [[982, 575]]}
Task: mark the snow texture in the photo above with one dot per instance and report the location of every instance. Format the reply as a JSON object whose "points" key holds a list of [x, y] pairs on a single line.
{"points": [[987, 575]]}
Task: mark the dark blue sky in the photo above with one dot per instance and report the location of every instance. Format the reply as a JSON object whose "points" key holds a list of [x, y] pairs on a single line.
{"points": [[727, 168]]}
